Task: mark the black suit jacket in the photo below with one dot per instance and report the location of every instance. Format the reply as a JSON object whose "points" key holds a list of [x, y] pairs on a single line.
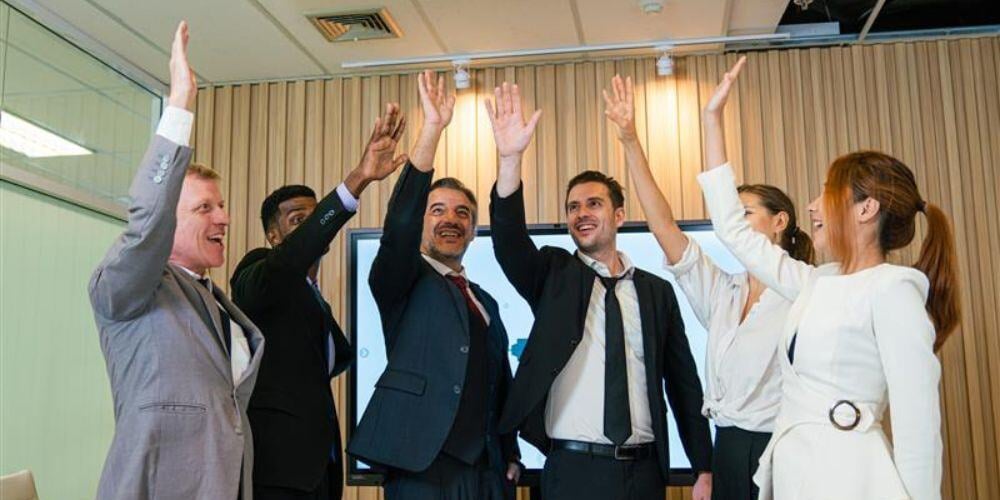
{"points": [[425, 322], [292, 413], [557, 286]]}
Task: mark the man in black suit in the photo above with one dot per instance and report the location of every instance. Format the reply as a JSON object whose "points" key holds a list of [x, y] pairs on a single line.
{"points": [[295, 428], [432, 420], [589, 387]]}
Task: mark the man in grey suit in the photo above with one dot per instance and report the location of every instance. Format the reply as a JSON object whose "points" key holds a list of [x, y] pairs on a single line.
{"points": [[181, 357]]}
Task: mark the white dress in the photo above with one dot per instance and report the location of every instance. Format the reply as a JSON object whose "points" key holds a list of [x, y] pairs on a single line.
{"points": [[862, 341], [742, 370]]}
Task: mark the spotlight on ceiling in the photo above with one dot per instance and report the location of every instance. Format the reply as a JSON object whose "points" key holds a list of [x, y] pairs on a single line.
{"points": [[651, 6], [462, 78], [665, 64]]}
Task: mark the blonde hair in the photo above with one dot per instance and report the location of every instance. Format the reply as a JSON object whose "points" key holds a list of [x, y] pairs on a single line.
{"points": [[202, 171]]}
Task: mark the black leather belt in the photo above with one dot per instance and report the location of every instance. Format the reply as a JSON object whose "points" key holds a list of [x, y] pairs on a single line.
{"points": [[627, 452]]}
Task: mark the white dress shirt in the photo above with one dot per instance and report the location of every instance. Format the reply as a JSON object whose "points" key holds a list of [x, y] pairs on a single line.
{"points": [[864, 337], [742, 372], [444, 270], [575, 408], [239, 352]]}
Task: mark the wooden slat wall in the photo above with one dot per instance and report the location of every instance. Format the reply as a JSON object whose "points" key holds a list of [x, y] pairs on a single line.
{"points": [[935, 105]]}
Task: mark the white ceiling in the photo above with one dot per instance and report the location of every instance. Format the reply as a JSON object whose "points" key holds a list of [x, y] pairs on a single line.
{"points": [[247, 40]]}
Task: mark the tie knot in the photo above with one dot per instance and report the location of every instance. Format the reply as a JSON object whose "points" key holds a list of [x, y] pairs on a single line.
{"points": [[609, 282], [458, 280], [205, 282]]}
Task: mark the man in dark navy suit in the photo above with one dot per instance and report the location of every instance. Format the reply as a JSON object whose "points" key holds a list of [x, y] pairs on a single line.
{"points": [[295, 428], [432, 421]]}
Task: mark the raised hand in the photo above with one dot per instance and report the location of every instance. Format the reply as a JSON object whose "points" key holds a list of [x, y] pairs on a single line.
{"points": [[183, 87], [438, 107], [511, 133], [718, 101], [619, 107], [379, 160]]}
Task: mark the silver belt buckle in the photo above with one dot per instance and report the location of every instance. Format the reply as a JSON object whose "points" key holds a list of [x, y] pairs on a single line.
{"points": [[623, 457], [833, 416]]}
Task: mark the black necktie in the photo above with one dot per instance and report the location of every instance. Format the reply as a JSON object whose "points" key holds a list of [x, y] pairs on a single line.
{"points": [[223, 317], [617, 417]]}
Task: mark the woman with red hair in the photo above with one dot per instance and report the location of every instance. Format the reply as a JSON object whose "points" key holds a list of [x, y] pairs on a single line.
{"points": [[861, 333]]}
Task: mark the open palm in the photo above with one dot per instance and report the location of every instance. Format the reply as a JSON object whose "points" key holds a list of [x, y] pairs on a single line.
{"points": [[379, 160], [511, 133], [437, 105], [718, 101], [619, 106]]}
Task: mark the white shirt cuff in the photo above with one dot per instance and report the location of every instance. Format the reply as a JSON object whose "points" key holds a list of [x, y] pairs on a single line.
{"points": [[346, 198], [175, 126]]}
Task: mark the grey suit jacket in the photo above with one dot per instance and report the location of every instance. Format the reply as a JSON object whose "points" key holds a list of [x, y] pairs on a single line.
{"points": [[181, 428]]}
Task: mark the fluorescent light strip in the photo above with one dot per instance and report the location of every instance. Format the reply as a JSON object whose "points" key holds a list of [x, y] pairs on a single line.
{"points": [[566, 50], [33, 141]]}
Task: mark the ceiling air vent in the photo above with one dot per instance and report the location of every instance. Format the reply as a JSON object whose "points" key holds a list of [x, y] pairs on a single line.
{"points": [[369, 24]]}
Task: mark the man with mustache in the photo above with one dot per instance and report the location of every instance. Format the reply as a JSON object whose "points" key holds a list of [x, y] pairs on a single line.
{"points": [[432, 421], [181, 357], [296, 431], [606, 336]]}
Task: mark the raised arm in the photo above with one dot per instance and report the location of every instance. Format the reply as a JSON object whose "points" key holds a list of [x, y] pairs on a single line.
{"points": [[398, 260], [763, 259], [255, 286], [125, 281], [520, 259], [620, 109]]}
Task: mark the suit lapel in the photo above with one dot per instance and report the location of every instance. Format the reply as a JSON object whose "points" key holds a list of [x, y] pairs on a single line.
{"points": [[254, 338], [647, 318], [459, 301], [199, 299], [587, 277]]}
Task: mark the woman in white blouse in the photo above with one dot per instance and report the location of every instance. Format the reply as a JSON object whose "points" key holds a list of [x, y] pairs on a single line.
{"points": [[744, 319], [861, 333]]}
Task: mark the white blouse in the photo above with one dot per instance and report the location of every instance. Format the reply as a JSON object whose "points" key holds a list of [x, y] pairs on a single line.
{"points": [[865, 338], [742, 372]]}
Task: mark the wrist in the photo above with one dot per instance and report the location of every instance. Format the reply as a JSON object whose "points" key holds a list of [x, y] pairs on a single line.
{"points": [[712, 116], [357, 181], [183, 100]]}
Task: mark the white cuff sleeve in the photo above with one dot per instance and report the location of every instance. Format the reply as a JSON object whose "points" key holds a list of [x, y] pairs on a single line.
{"points": [[346, 198], [175, 126]]}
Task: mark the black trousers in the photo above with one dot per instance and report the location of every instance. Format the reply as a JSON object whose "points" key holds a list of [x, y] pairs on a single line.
{"points": [[570, 475], [331, 487], [734, 462], [448, 478]]}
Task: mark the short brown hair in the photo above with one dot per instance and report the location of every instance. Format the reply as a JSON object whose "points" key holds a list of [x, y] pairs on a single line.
{"points": [[202, 171], [615, 189]]}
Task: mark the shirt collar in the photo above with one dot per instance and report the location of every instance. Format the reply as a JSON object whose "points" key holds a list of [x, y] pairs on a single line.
{"points": [[602, 270], [197, 276], [442, 268]]}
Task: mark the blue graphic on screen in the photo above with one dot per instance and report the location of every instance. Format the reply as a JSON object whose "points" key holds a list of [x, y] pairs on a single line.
{"points": [[482, 268]]}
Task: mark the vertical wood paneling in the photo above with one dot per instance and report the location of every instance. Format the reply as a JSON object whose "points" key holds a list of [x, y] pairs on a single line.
{"points": [[935, 105]]}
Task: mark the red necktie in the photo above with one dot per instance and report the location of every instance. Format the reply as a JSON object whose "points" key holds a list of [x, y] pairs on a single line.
{"points": [[463, 286]]}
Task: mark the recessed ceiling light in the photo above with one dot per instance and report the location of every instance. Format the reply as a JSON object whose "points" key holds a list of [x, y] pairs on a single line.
{"points": [[33, 141]]}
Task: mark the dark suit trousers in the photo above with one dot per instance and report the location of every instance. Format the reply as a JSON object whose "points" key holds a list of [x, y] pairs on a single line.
{"points": [[734, 462], [331, 487], [569, 475], [447, 479]]}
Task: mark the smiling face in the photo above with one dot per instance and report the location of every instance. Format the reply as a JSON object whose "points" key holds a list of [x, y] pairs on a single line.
{"points": [[592, 218], [199, 239], [761, 219], [449, 226]]}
